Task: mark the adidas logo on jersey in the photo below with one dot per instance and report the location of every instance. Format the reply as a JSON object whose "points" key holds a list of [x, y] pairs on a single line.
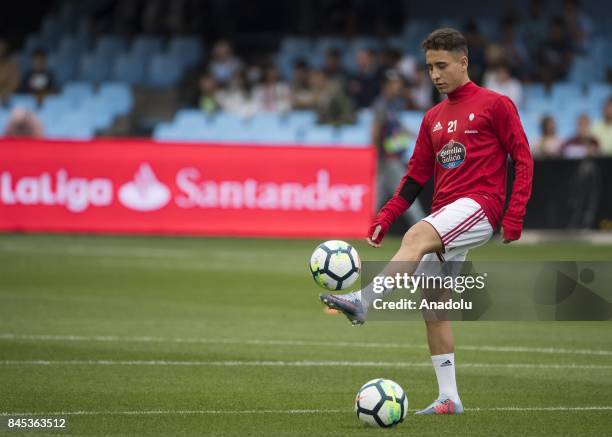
{"points": [[437, 127]]}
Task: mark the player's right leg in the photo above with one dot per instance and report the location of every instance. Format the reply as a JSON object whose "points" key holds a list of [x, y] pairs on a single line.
{"points": [[420, 240], [462, 225]]}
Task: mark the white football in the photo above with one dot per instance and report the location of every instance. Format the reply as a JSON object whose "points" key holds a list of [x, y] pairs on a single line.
{"points": [[381, 402], [335, 265]]}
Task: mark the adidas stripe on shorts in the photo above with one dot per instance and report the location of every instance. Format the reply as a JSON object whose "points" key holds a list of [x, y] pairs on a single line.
{"points": [[462, 225]]}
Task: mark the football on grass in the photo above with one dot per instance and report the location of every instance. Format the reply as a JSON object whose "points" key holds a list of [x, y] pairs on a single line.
{"points": [[381, 402], [335, 265]]}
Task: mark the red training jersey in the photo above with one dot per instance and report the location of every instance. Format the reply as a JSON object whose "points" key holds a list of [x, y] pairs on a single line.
{"points": [[464, 142]]}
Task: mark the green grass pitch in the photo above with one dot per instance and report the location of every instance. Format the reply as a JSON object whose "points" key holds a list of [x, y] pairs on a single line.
{"points": [[188, 336]]}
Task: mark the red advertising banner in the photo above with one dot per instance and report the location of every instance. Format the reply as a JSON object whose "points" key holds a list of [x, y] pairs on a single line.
{"points": [[140, 186]]}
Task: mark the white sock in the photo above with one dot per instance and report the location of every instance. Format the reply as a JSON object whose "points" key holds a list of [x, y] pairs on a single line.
{"points": [[368, 296], [444, 365]]}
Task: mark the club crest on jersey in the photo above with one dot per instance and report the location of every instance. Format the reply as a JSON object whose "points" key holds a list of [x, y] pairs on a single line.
{"points": [[451, 155]]}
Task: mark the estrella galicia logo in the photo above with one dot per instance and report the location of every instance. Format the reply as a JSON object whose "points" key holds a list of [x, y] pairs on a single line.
{"points": [[451, 155]]}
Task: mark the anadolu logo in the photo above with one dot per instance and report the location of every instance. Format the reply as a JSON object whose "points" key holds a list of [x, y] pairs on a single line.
{"points": [[145, 192], [451, 155]]}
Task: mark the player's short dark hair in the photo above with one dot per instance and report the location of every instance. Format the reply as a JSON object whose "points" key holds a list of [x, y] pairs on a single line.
{"points": [[447, 39]]}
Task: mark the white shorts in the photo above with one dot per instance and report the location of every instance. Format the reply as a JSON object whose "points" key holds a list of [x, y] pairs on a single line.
{"points": [[461, 225]]}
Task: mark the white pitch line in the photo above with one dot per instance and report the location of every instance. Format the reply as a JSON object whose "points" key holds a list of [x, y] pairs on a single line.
{"points": [[123, 252], [378, 364], [298, 343], [255, 412]]}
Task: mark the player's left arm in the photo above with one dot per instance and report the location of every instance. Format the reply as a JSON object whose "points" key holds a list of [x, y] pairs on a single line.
{"points": [[509, 130]]}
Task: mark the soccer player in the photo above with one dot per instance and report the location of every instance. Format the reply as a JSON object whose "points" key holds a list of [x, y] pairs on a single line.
{"points": [[464, 142]]}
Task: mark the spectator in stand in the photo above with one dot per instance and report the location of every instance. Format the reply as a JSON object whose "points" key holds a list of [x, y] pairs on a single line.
{"points": [[23, 123], [330, 101], [407, 67], [39, 80], [223, 63], [602, 129], [272, 95], [364, 85], [207, 102], [389, 58], [583, 144], [393, 141], [421, 90], [9, 73], [499, 80], [556, 53], [516, 55], [477, 43], [549, 144], [236, 97], [579, 24], [533, 28], [333, 68], [302, 95]]}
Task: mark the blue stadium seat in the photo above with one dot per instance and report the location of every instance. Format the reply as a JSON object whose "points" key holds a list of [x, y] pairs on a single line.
{"points": [[489, 27], [411, 120], [63, 66], [187, 49], [566, 123], [23, 59], [355, 135], [128, 68], [25, 101], [165, 132], [268, 122], [291, 49], [99, 113], [51, 31], [78, 91], [4, 116], [369, 42], [321, 135], [365, 117], [164, 71], [35, 41], [263, 134], [323, 44], [49, 118], [599, 92], [57, 104], [397, 42], [414, 32], [71, 45], [301, 119], [298, 46], [224, 121], [145, 46], [531, 125], [118, 95], [543, 106], [191, 118], [71, 125], [533, 92], [111, 45], [94, 67], [284, 63]]}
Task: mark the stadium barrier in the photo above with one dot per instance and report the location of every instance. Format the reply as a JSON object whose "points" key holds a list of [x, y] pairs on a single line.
{"points": [[567, 194], [140, 186]]}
